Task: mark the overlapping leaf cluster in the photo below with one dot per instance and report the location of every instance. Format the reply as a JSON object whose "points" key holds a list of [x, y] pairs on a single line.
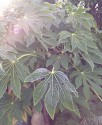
{"points": [[52, 49]]}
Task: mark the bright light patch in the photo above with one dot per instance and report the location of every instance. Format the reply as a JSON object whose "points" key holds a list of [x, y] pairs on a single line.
{"points": [[4, 4]]}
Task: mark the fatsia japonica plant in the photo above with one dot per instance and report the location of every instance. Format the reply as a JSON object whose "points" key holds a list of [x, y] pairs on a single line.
{"points": [[50, 57]]}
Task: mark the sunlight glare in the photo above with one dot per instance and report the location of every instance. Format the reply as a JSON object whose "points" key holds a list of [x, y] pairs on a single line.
{"points": [[4, 4]]}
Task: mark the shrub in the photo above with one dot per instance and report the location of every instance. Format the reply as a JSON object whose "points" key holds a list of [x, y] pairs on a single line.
{"points": [[50, 54]]}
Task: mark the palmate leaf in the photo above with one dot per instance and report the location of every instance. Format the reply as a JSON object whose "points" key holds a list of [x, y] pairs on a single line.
{"points": [[79, 17], [55, 86], [84, 41], [90, 80], [81, 39], [10, 109], [15, 73], [34, 18]]}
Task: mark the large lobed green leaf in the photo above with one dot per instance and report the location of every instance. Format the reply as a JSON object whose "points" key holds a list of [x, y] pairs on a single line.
{"points": [[89, 80], [14, 75], [55, 86], [79, 17]]}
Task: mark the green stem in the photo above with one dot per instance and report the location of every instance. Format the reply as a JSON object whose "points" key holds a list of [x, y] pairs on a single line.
{"points": [[22, 56]]}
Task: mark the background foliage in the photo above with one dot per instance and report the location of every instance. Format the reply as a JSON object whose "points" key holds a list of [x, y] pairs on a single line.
{"points": [[51, 53]]}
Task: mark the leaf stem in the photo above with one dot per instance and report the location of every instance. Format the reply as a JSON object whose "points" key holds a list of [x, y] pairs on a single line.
{"points": [[75, 67], [96, 94], [22, 56]]}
